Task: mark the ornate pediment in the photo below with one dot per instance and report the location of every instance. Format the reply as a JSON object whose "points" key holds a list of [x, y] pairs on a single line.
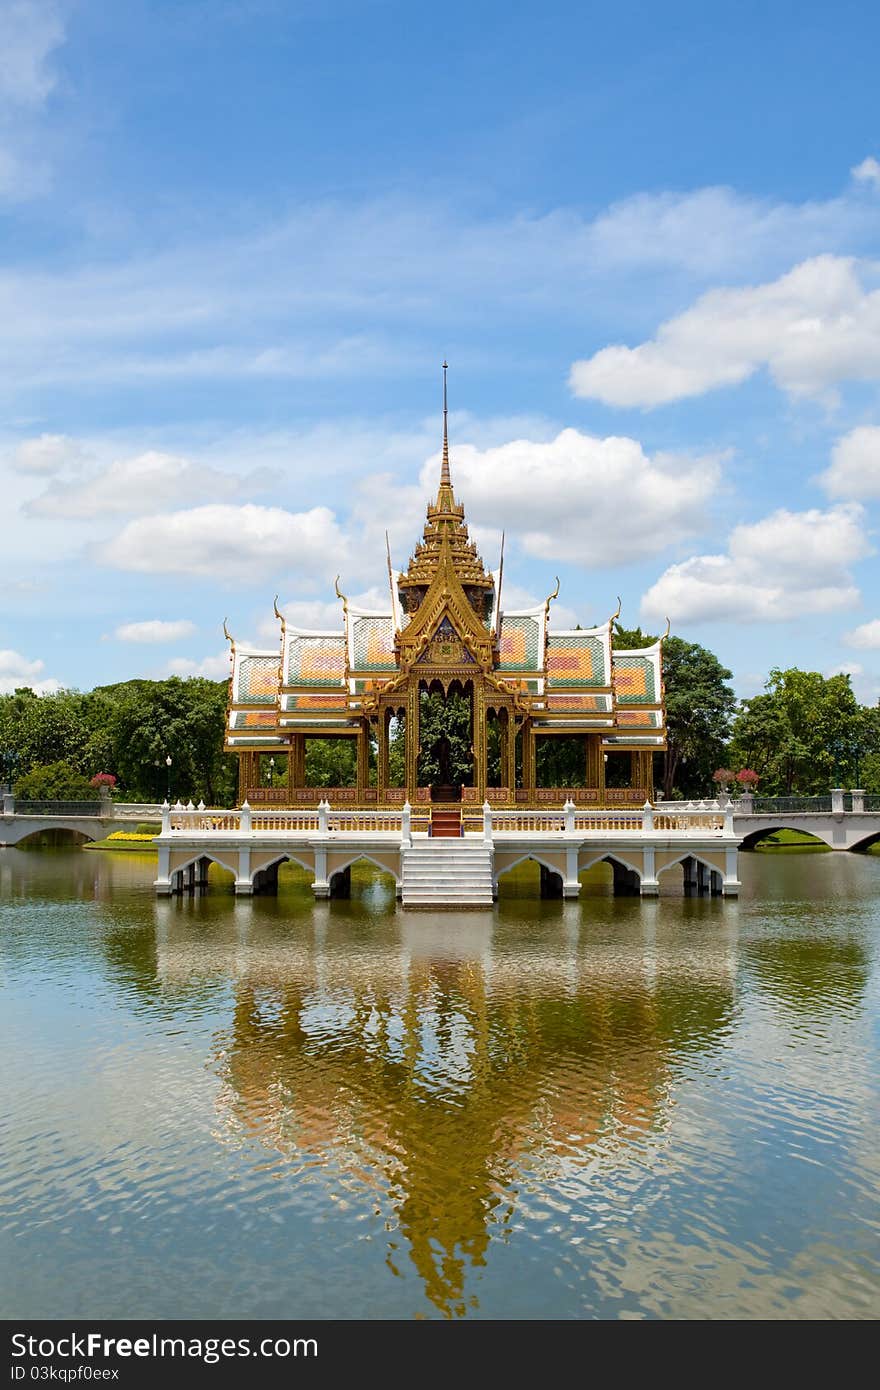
{"points": [[445, 648]]}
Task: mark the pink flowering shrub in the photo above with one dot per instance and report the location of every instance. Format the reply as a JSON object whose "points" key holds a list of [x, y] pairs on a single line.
{"points": [[747, 779]]}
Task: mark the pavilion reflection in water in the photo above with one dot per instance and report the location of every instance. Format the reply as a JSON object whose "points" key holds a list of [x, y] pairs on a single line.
{"points": [[449, 1076]]}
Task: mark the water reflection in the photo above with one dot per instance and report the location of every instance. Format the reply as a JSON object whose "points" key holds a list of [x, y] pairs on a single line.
{"points": [[554, 1109], [445, 1065]]}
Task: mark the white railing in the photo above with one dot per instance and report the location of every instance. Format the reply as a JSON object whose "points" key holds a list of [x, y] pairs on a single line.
{"points": [[702, 819], [527, 820], [321, 820]]}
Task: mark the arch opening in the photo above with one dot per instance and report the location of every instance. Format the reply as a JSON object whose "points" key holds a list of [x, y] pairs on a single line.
{"points": [[775, 838]]}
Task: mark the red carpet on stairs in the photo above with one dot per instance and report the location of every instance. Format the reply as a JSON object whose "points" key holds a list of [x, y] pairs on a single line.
{"points": [[445, 824]]}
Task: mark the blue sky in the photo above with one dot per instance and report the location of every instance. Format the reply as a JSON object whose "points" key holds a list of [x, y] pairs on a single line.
{"points": [[238, 238]]}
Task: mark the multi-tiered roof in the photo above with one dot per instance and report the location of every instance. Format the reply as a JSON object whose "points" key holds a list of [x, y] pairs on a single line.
{"points": [[445, 622]]}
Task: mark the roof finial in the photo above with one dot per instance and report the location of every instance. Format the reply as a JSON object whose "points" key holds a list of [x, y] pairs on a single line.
{"points": [[445, 479]]}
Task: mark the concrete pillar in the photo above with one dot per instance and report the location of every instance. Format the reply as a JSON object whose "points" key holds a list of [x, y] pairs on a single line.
{"points": [[202, 868], [702, 878], [244, 885], [716, 883], [8, 804], [487, 823], [571, 886], [406, 826], [321, 886], [731, 885], [649, 886], [837, 795], [858, 799], [162, 883]]}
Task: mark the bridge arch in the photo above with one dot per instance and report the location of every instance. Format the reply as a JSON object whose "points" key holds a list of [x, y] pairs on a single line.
{"points": [[19, 834], [213, 856], [764, 832], [588, 859], [362, 855], [534, 858], [862, 846]]}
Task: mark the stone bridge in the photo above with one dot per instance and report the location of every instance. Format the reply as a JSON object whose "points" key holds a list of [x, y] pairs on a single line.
{"points": [[845, 820], [93, 820]]}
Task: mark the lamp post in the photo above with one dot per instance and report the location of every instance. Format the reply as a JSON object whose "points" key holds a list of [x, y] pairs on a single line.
{"points": [[168, 765]]}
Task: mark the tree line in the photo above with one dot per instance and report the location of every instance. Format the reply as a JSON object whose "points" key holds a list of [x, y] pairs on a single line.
{"points": [[804, 733]]}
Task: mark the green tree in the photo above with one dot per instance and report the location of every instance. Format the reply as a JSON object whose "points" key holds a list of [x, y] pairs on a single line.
{"points": [[445, 739], [54, 782], [331, 762], [803, 733]]}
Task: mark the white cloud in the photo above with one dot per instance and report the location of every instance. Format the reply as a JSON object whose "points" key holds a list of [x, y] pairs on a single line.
{"points": [[784, 566], [868, 171], [854, 470], [231, 544], [360, 280], [32, 30], [562, 499], [812, 329], [133, 485], [47, 454], [514, 597], [866, 636], [214, 668], [155, 630], [712, 231], [17, 670]]}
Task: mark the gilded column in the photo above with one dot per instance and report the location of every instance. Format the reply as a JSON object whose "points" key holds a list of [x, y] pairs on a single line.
{"points": [[479, 740], [243, 761], [593, 760], [648, 774], [296, 771], [363, 764], [508, 773], [412, 740], [528, 756], [600, 762], [382, 754]]}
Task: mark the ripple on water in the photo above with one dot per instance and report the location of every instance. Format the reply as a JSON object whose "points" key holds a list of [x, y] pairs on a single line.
{"points": [[609, 1108]]}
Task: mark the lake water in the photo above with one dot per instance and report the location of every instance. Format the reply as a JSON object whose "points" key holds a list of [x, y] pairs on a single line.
{"points": [[271, 1108]]}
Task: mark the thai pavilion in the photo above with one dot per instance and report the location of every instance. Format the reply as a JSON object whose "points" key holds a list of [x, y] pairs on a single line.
{"points": [[445, 632]]}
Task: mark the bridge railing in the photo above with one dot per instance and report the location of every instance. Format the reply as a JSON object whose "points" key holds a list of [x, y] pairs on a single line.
{"points": [[57, 808], [319, 820], [791, 805]]}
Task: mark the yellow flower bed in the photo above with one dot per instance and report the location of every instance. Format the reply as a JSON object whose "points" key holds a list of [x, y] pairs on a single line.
{"points": [[129, 835]]}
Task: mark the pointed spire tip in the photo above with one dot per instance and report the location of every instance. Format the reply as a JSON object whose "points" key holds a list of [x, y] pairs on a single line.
{"points": [[445, 476]]}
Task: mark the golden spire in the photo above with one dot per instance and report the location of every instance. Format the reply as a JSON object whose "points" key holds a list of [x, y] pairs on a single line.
{"points": [[445, 477]]}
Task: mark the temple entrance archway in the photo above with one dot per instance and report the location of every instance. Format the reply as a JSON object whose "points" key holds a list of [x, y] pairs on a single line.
{"points": [[446, 756]]}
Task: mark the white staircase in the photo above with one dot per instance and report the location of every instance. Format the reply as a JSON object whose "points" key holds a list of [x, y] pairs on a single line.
{"points": [[445, 872]]}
